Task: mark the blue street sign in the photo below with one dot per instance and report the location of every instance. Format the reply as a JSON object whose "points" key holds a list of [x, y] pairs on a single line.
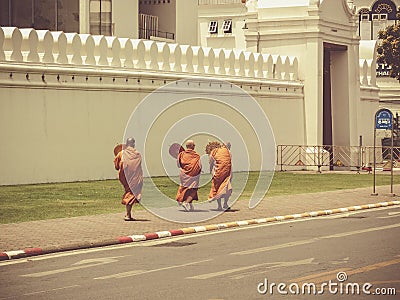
{"points": [[383, 119]]}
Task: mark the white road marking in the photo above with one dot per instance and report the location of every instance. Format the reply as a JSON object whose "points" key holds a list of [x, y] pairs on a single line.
{"points": [[52, 290], [341, 261], [391, 215], [312, 240], [83, 264], [271, 265], [140, 272], [40, 292]]}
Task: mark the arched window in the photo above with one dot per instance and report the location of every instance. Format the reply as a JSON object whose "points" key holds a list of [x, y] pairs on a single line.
{"points": [[383, 10], [364, 14]]}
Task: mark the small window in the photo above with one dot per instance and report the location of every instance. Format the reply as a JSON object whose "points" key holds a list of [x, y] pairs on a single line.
{"points": [[365, 17], [384, 17], [213, 27], [227, 26], [375, 17]]}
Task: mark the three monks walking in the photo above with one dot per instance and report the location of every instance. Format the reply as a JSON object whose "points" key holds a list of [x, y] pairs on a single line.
{"points": [[128, 162]]}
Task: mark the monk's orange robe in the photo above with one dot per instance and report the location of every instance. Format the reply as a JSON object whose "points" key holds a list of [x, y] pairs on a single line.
{"points": [[222, 172], [128, 162], [190, 166]]}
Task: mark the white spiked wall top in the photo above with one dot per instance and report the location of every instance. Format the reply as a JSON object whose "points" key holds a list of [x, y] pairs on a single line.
{"points": [[43, 46]]}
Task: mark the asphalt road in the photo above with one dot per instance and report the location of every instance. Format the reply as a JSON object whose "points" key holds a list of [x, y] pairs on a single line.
{"points": [[331, 256]]}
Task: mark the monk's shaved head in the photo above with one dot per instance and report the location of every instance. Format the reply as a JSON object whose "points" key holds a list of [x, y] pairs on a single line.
{"points": [[130, 142], [190, 144]]}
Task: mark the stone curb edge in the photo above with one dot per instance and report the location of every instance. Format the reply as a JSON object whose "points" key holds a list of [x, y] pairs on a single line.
{"points": [[8, 255]]}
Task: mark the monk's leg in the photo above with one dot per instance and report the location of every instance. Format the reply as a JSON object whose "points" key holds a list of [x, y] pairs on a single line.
{"points": [[226, 206], [188, 202], [129, 211], [219, 204]]}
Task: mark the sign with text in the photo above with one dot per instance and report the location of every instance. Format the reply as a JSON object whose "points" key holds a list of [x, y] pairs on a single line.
{"points": [[383, 70], [383, 119]]}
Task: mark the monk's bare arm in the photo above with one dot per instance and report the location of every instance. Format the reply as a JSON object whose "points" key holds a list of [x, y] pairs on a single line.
{"points": [[117, 161]]}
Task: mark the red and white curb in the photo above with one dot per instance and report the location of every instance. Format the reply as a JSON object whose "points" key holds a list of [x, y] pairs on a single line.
{"points": [[189, 230]]}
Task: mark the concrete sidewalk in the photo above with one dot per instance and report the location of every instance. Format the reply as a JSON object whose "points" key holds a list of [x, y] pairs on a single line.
{"points": [[91, 231]]}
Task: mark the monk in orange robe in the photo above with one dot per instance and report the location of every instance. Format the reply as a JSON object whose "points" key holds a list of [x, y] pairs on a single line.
{"points": [[190, 168], [128, 163], [221, 162]]}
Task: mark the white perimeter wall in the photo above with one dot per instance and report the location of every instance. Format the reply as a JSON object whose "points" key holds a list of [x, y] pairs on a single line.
{"points": [[60, 134], [65, 99]]}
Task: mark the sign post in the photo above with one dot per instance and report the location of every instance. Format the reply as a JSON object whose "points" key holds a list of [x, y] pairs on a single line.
{"points": [[383, 120]]}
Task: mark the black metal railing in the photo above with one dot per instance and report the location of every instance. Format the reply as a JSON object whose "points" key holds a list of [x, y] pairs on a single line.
{"points": [[334, 157], [219, 2], [148, 33]]}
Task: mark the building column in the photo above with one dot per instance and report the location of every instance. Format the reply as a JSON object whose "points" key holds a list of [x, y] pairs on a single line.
{"points": [[312, 68]]}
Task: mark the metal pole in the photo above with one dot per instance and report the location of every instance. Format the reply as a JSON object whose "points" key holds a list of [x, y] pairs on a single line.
{"points": [[319, 159], [372, 28], [374, 189], [277, 156], [391, 162], [360, 156]]}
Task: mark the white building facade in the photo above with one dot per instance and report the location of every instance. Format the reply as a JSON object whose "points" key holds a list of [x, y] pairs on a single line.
{"points": [[170, 20]]}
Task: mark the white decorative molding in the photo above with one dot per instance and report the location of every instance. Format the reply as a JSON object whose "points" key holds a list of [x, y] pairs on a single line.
{"points": [[113, 51], [285, 72], [259, 65], [230, 57], [151, 55], [220, 61], [139, 54], [74, 47], [175, 57], [87, 49], [363, 72], [163, 56], [209, 60], [59, 47], [198, 59], [126, 54], [294, 66], [268, 66], [187, 58], [12, 44], [29, 46], [249, 62], [43, 46], [100, 50], [239, 62], [277, 67]]}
